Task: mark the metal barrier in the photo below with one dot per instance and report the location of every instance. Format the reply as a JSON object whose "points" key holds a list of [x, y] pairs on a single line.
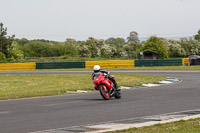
{"points": [[17, 66], [159, 62], [110, 64], [60, 65], [90, 64]]}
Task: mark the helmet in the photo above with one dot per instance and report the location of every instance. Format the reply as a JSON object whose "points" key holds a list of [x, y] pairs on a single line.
{"points": [[97, 68]]}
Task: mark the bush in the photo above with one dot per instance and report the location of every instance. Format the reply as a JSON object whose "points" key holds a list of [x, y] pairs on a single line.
{"points": [[15, 55], [40, 49], [157, 45], [67, 50], [2, 57]]}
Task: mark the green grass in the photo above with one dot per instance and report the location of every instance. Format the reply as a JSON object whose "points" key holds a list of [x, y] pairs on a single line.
{"points": [[189, 126], [65, 59], [20, 86]]}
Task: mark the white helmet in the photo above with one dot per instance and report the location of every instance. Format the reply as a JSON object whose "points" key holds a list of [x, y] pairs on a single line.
{"points": [[97, 68]]}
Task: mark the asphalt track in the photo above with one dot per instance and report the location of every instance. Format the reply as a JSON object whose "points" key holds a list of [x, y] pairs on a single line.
{"points": [[36, 114]]}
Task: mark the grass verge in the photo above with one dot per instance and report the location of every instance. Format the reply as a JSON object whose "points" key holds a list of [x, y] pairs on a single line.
{"points": [[20, 86], [182, 126]]}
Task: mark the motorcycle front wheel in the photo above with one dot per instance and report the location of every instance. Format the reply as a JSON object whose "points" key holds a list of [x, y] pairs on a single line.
{"points": [[104, 92]]}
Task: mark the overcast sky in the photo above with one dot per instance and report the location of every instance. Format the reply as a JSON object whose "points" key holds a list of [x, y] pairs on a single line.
{"points": [[80, 19]]}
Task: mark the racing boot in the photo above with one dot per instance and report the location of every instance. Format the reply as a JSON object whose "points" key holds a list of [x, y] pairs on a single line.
{"points": [[95, 88], [116, 86]]}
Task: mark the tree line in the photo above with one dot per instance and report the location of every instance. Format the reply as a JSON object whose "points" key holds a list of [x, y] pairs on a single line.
{"points": [[12, 49]]}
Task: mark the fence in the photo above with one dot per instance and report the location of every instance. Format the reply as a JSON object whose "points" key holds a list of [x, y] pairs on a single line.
{"points": [[60, 65], [110, 64], [90, 64], [159, 62], [17, 66]]}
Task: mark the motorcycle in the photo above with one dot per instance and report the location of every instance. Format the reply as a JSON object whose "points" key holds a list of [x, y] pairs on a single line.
{"points": [[106, 87]]}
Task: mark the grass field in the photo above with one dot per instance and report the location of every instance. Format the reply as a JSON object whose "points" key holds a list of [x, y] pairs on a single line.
{"points": [[189, 126], [20, 86]]}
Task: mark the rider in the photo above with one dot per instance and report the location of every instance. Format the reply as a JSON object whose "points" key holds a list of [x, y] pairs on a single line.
{"points": [[98, 70]]}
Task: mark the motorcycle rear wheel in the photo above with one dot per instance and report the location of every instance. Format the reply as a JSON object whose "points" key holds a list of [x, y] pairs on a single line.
{"points": [[104, 92]]}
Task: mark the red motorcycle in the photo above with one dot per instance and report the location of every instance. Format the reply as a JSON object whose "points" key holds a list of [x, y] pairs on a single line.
{"points": [[106, 87]]}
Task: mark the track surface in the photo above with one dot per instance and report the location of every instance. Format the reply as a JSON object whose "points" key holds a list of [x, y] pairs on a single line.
{"points": [[35, 114]]}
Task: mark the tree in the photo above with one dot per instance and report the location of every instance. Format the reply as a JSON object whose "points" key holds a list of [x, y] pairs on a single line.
{"points": [[176, 50], [14, 54], [91, 43], [132, 49], [67, 50], [3, 33], [70, 41], [115, 42], [5, 41], [22, 41], [2, 57], [97, 48], [197, 36], [40, 49], [133, 37], [118, 52], [92, 47], [106, 51], [84, 50], [191, 47], [157, 45]]}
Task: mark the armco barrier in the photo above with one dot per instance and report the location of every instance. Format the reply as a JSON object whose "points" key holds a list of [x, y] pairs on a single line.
{"points": [[60, 65], [159, 62], [90, 64], [110, 64], [17, 66]]}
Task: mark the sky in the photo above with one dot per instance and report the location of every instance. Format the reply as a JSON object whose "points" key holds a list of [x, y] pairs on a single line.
{"points": [[79, 19]]}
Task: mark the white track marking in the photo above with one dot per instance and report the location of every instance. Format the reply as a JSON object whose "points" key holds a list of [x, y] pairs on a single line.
{"points": [[4, 112]]}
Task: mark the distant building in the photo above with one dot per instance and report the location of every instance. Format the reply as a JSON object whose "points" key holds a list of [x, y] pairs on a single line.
{"points": [[148, 55]]}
